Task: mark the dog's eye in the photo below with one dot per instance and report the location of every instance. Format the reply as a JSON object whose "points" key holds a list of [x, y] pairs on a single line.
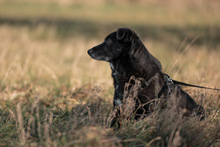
{"points": [[109, 42]]}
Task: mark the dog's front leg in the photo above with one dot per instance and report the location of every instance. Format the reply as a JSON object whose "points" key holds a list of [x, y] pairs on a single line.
{"points": [[118, 96]]}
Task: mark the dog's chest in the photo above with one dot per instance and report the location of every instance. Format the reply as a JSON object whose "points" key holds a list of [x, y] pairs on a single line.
{"points": [[119, 77], [115, 75], [112, 66], [114, 72]]}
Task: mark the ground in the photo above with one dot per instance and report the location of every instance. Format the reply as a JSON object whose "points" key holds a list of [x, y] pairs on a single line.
{"points": [[53, 94]]}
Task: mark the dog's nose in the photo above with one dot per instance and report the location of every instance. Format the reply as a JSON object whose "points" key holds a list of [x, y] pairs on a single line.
{"points": [[90, 51]]}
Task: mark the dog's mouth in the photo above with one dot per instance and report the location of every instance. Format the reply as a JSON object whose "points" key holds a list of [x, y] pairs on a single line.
{"points": [[95, 56]]}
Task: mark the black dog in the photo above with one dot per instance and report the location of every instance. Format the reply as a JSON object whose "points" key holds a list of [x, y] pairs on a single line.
{"points": [[129, 57]]}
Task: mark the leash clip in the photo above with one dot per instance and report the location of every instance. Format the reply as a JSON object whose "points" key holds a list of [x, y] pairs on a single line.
{"points": [[168, 80]]}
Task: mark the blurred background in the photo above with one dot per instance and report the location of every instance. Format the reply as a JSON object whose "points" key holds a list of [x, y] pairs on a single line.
{"points": [[53, 94], [164, 20], [44, 42]]}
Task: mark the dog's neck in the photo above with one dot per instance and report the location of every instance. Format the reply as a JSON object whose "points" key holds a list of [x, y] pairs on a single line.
{"points": [[138, 66]]}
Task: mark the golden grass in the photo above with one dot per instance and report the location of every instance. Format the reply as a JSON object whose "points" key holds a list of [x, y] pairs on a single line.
{"points": [[53, 94], [26, 60], [59, 76]]}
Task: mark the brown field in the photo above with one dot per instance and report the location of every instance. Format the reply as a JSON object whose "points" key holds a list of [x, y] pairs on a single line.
{"points": [[53, 94]]}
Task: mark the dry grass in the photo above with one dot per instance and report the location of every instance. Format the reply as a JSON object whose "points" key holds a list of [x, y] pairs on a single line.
{"points": [[53, 94]]}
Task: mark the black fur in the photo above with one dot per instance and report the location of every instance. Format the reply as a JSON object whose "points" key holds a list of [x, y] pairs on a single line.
{"points": [[128, 57]]}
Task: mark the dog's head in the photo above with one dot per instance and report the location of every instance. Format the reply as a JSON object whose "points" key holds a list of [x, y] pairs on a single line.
{"points": [[115, 44]]}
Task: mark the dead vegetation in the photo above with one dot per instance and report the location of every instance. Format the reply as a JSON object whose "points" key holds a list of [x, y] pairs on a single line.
{"points": [[45, 123], [53, 94]]}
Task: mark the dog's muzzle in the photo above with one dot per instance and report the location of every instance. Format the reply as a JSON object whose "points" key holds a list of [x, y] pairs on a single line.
{"points": [[90, 51]]}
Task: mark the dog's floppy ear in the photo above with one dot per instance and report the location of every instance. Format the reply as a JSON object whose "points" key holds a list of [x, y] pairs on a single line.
{"points": [[128, 36], [122, 33]]}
